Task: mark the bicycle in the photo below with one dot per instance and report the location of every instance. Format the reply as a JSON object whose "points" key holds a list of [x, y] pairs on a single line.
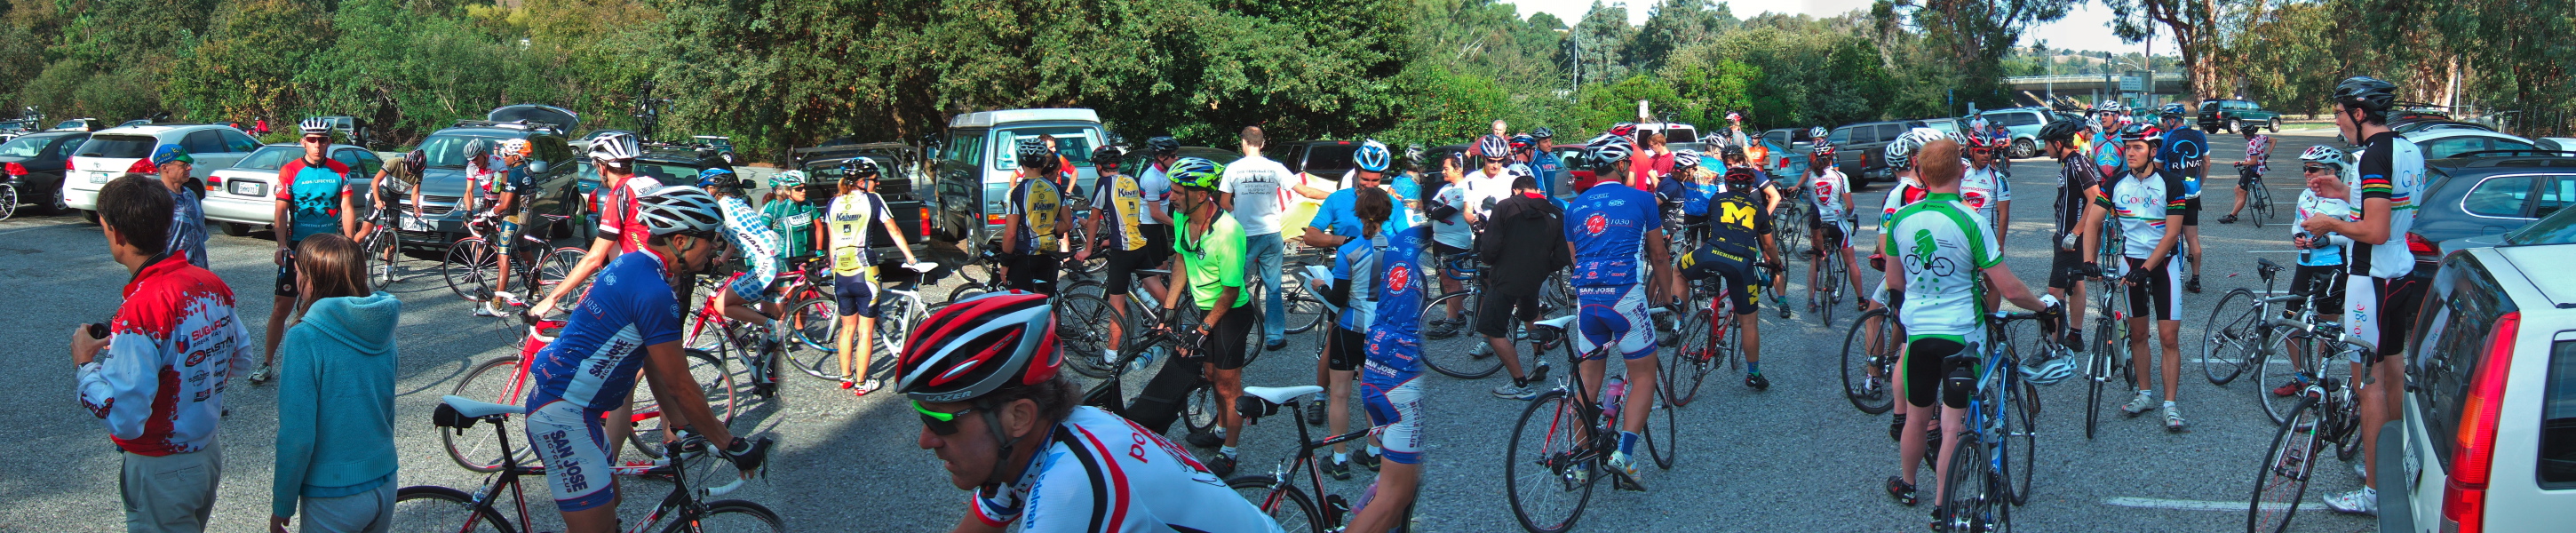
{"points": [[2110, 351], [1576, 439], [1277, 493], [815, 318], [1980, 493], [2326, 415], [472, 263], [2238, 336], [1475, 360], [437, 508], [1706, 340], [1869, 354], [1305, 310], [1789, 224], [505, 380], [2258, 198], [1825, 282], [8, 198], [381, 265]]}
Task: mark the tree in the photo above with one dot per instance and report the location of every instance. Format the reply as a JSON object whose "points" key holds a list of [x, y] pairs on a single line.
{"points": [[1672, 25], [248, 65], [1599, 42]]}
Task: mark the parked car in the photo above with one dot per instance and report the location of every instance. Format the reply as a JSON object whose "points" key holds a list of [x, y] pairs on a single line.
{"points": [[2485, 194], [2232, 115], [554, 175], [109, 153], [243, 198], [78, 124], [1947, 126], [976, 162], [2413, 126], [1677, 136], [1322, 159], [2022, 124], [2487, 441], [2444, 143], [1857, 147], [899, 169], [34, 164], [1789, 148]]}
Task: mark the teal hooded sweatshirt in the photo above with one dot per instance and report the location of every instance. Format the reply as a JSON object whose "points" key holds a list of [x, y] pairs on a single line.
{"points": [[336, 378]]}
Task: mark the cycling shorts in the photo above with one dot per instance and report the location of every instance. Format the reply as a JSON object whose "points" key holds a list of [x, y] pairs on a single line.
{"points": [[1925, 362], [1829, 237], [2381, 309], [1119, 270], [505, 232], [574, 449], [1348, 352], [2323, 284], [1742, 286], [1395, 414], [1158, 245], [856, 293], [2191, 211], [2061, 269], [1495, 312], [1225, 346], [1032, 273], [1613, 314], [2161, 295]]}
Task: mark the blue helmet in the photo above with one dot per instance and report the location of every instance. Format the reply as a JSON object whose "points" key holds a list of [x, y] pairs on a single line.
{"points": [[719, 178], [2175, 110], [1372, 156]]}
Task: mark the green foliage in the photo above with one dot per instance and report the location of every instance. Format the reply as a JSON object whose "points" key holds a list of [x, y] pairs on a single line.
{"points": [[248, 65]]}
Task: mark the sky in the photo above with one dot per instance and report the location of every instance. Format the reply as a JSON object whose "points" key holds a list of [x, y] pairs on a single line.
{"points": [[2085, 28]]}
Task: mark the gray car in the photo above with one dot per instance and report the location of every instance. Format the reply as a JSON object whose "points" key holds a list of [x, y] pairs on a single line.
{"points": [[243, 197]]}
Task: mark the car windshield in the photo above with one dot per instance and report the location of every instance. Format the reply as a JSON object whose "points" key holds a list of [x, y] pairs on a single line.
{"points": [[1331, 158], [24, 147], [118, 146], [270, 157], [668, 173], [448, 150], [1072, 142]]}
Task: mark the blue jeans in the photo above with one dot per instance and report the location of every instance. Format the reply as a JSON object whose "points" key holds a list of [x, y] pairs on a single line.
{"points": [[1267, 251]]}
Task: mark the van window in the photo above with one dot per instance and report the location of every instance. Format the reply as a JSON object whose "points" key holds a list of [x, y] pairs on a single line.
{"points": [[1888, 132], [1069, 140], [2558, 420], [1681, 135], [2498, 197], [2016, 118], [118, 146], [969, 149], [204, 142], [2465, 302], [1840, 136]]}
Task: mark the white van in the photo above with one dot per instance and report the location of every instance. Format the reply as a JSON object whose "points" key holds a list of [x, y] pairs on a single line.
{"points": [[975, 163]]}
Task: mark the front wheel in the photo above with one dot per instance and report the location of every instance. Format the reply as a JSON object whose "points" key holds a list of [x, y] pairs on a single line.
{"points": [[470, 268], [1282, 502], [1465, 355], [1704, 345], [2235, 333], [729, 516], [1305, 311], [2282, 480], [428, 508], [498, 381], [1548, 467], [1974, 495], [1869, 350], [715, 383]]}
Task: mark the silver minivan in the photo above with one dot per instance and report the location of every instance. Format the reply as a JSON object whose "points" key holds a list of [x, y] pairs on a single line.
{"points": [[975, 164], [2489, 435]]}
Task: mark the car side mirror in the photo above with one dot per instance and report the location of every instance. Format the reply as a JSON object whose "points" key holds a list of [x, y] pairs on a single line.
{"points": [[537, 167]]}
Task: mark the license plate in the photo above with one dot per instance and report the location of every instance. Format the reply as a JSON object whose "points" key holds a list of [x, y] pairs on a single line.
{"points": [[250, 188], [98, 177], [410, 223]]}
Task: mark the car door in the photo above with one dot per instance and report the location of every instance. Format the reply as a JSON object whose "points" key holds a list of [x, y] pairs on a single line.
{"points": [[2494, 205]]}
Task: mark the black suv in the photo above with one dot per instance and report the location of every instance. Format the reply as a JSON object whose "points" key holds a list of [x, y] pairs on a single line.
{"points": [[1858, 148], [1322, 159], [556, 189], [899, 166]]}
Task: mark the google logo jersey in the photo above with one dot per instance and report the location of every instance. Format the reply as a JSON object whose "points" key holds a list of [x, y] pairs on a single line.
{"points": [[2141, 203], [2391, 168]]}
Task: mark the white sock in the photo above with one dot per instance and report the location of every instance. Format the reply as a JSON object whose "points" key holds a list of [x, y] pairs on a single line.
{"points": [[1340, 457], [1227, 451], [1374, 450]]}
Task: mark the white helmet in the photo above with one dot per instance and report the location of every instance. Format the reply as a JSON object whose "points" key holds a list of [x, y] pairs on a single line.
{"points": [[1900, 152], [2324, 154], [614, 148], [314, 125], [678, 209]]}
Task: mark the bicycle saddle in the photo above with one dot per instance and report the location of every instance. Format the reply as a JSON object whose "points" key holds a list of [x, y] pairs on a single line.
{"points": [[480, 409], [2267, 265], [1281, 395], [1558, 323]]}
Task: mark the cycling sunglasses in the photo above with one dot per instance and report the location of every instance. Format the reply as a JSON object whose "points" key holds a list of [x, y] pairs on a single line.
{"points": [[2318, 168], [942, 424]]}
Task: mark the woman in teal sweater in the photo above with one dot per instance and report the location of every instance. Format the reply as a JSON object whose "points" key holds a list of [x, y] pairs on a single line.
{"points": [[336, 378]]}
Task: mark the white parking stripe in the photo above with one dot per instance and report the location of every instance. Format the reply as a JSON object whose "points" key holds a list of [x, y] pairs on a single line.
{"points": [[2198, 505]]}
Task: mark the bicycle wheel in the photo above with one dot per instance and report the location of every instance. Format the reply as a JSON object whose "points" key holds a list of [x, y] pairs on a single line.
{"points": [[1662, 440], [1973, 492], [2281, 482], [2343, 424], [425, 508], [1305, 311], [1704, 345], [2261, 201], [816, 323], [550, 272], [964, 292], [1282, 502], [498, 381], [469, 268], [2020, 445], [714, 381], [1829, 286], [1082, 325], [1465, 354], [2291, 347], [380, 272], [1549, 468], [2109, 350], [1866, 363], [726, 516], [2234, 336]]}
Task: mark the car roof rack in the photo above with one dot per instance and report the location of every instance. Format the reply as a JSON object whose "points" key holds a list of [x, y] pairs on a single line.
{"points": [[510, 125]]}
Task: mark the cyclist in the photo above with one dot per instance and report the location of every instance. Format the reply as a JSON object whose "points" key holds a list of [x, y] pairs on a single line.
{"points": [[1947, 259], [1524, 244], [1616, 237], [1339, 222], [501, 189], [1766, 193], [1985, 188], [1489, 184], [313, 198], [1834, 219], [623, 325], [2185, 153], [1117, 200], [2319, 275], [1390, 387], [854, 273], [1737, 236], [1356, 261], [1214, 271], [2079, 214], [1450, 236], [2390, 178], [1543, 162], [2258, 149], [797, 221], [1901, 159], [2106, 140], [619, 232], [1154, 187], [399, 178], [2151, 208], [1008, 426], [756, 237], [1037, 219]]}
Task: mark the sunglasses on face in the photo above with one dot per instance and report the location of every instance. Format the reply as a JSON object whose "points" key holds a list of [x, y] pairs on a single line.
{"points": [[942, 424], [2317, 169]]}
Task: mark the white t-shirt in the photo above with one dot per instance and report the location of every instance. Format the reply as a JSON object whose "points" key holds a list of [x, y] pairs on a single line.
{"points": [[1155, 186], [1984, 190], [1483, 188], [1941, 245], [1260, 191], [1452, 231]]}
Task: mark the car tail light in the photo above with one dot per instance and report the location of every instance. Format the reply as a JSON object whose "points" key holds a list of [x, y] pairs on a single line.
{"points": [[2423, 248], [214, 180], [15, 169], [924, 222], [71, 163], [2464, 497], [994, 220], [142, 166]]}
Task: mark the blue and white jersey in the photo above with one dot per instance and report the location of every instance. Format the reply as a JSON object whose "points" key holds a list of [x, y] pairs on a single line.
{"points": [[2182, 154], [1357, 262], [1607, 226], [593, 362], [1394, 333]]}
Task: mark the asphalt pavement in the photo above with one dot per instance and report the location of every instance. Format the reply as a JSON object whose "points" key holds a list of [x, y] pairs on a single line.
{"points": [[1797, 457]]}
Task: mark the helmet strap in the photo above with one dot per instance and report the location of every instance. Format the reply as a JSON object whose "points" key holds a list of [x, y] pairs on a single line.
{"points": [[1002, 452]]}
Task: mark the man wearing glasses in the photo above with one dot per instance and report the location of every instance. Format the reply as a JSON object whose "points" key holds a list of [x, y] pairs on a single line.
{"points": [[312, 199]]}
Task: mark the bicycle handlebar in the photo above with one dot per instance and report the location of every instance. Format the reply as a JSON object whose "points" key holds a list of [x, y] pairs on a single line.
{"points": [[2336, 335]]}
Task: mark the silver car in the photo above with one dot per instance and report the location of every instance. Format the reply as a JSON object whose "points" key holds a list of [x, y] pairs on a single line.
{"points": [[244, 197]]}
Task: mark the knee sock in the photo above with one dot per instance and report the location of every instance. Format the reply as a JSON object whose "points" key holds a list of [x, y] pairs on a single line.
{"points": [[1627, 443]]}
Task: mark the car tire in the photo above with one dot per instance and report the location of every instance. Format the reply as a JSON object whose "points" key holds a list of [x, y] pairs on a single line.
{"points": [[2024, 149], [2276, 125], [91, 216], [62, 202], [2236, 125], [236, 229]]}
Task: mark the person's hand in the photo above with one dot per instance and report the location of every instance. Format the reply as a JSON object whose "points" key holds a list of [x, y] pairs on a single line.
{"points": [[2089, 270], [2301, 242], [280, 258], [2317, 224], [2048, 304], [277, 524], [2070, 241], [1082, 254], [542, 307], [85, 347], [2136, 276]]}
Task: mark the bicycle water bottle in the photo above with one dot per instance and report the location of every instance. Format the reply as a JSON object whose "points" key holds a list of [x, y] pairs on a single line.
{"points": [[1613, 395], [1143, 359]]}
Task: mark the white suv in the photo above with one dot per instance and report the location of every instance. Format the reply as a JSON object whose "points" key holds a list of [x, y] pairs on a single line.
{"points": [[110, 152], [2489, 440]]}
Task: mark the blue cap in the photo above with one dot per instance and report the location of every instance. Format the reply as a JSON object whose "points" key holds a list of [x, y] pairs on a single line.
{"points": [[171, 152]]}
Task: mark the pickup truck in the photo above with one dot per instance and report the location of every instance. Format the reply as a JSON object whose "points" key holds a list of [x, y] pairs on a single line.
{"points": [[2236, 115], [901, 167]]}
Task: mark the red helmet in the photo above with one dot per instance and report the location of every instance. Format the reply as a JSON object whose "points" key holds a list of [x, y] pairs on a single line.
{"points": [[979, 345]]}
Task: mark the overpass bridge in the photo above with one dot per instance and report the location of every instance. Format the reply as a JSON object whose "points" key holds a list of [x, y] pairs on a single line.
{"points": [[2129, 86]]}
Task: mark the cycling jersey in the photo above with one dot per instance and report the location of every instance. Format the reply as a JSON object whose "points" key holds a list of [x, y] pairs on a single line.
{"points": [[2184, 154], [1357, 261], [1548, 168], [2075, 176], [848, 222], [2141, 203], [2391, 168], [755, 242], [1102, 473], [2106, 155], [1394, 329], [172, 346], [1942, 244], [593, 363], [1826, 192], [489, 178], [794, 222], [1607, 226], [617, 220], [1214, 261], [1153, 186], [1452, 231], [1695, 196], [1984, 190], [1120, 203], [312, 195], [2259, 149], [1485, 190], [1340, 215], [1906, 192], [1736, 225], [2311, 205], [1035, 200]]}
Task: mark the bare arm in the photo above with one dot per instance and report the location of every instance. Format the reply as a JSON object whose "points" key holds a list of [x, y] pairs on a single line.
{"points": [[600, 250], [668, 372], [1010, 224], [2165, 245]]}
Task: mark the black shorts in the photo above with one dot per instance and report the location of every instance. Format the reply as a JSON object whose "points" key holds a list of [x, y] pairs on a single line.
{"points": [[2322, 284], [2160, 296], [1924, 365], [2399, 301], [1737, 275], [1226, 343], [855, 295], [2061, 269], [1158, 245], [1032, 273], [1348, 352], [286, 271], [2191, 213], [1120, 269], [1827, 236], [1495, 312]]}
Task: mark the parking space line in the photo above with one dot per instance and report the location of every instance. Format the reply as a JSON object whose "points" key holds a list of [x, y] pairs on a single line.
{"points": [[2198, 505]]}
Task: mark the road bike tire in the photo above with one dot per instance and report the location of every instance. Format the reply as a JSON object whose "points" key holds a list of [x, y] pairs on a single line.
{"points": [[469, 268], [961, 293], [715, 381], [1556, 464], [1305, 311], [2262, 203], [2281, 481], [379, 271], [2234, 336], [434, 508], [1082, 327], [1872, 395], [2268, 376], [1703, 345], [1465, 355], [550, 272], [1829, 289], [2020, 437], [1973, 494], [1663, 441], [816, 323], [491, 381], [2108, 351], [2344, 426], [730, 516], [1282, 502]]}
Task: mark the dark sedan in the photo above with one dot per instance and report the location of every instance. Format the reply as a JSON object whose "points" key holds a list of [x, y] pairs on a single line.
{"points": [[2487, 194], [34, 165]]}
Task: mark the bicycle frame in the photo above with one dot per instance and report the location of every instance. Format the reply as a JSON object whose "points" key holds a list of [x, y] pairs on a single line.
{"points": [[1334, 506], [682, 500]]}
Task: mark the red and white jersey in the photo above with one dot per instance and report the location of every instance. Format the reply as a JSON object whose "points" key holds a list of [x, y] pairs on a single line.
{"points": [[1102, 473], [173, 345]]}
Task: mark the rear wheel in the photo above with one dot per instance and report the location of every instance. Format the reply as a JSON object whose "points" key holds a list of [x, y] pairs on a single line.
{"points": [[1305, 311], [1548, 468], [551, 271], [2235, 332], [1704, 345], [1973, 495], [8, 201], [2259, 198], [470, 268], [1082, 324], [2282, 480], [498, 381], [1869, 350], [1663, 440], [2292, 347], [440, 509], [729, 516], [968, 291], [1464, 355], [1282, 502]]}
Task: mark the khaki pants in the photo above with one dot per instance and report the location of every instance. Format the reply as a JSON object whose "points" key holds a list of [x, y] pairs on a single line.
{"points": [[171, 493], [366, 512]]}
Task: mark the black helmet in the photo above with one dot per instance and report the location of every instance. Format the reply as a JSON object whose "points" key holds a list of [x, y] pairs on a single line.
{"points": [[2367, 93], [2061, 130], [1542, 133], [859, 168], [1109, 155], [1163, 146]]}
